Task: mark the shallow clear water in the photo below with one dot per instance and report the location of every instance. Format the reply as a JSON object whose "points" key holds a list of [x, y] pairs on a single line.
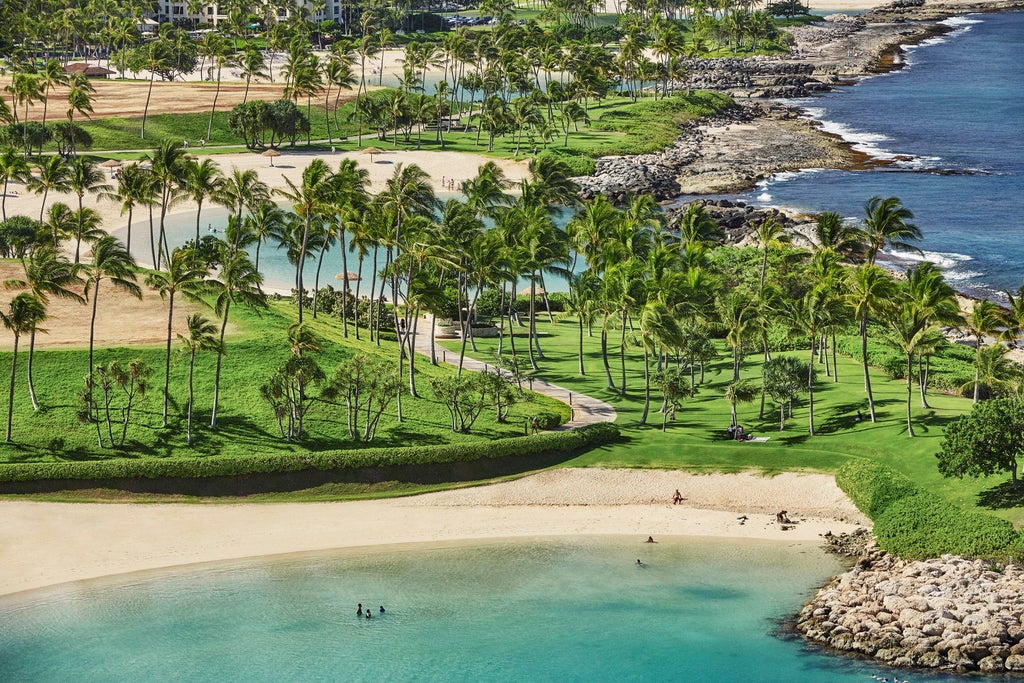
{"points": [[957, 106], [537, 609]]}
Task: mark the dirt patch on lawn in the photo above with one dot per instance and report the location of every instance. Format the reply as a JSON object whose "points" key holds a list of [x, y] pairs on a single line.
{"points": [[128, 98], [121, 319]]}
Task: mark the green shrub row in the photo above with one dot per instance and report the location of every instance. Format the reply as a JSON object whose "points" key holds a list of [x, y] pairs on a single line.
{"points": [[916, 524], [191, 468]]}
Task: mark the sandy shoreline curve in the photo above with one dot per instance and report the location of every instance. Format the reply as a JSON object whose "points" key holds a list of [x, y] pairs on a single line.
{"points": [[43, 544]]}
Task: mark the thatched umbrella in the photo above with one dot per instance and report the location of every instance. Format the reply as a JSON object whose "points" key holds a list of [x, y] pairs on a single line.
{"points": [[371, 151], [539, 292], [347, 275], [271, 153], [111, 163]]}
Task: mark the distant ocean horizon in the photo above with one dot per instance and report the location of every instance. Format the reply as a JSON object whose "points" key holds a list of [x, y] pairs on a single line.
{"points": [[952, 123]]}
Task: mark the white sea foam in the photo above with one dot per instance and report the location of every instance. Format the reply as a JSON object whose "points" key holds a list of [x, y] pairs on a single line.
{"points": [[764, 197], [944, 260]]}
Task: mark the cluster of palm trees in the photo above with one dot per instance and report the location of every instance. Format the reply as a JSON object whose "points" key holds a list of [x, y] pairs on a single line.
{"points": [[30, 86]]}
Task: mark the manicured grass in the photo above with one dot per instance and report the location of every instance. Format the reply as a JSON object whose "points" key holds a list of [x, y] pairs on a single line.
{"points": [[246, 424], [695, 441]]}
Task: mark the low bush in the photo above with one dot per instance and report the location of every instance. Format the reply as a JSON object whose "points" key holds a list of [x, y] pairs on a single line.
{"points": [[873, 487], [924, 525], [188, 468], [915, 524]]}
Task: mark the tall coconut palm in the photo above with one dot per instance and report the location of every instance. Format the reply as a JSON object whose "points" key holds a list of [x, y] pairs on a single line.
{"points": [[350, 198], [55, 175], [239, 283], [23, 315], [832, 233], [186, 276], [220, 51], [770, 235], [242, 190], [80, 95], [52, 75], [47, 274], [658, 329], [871, 290], [886, 223], [167, 164], [202, 336], [85, 176], [12, 167], [310, 201], [250, 63], [201, 181], [134, 188], [265, 222], [985, 318], [110, 261]]}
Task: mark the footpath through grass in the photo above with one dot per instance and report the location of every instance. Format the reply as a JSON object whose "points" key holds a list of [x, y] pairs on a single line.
{"points": [[696, 440]]}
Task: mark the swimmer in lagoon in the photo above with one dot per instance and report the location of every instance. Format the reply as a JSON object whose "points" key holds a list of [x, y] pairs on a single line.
{"points": [[650, 539], [359, 610], [382, 609]]}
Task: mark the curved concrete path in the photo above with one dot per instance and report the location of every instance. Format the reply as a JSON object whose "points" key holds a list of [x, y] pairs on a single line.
{"points": [[585, 409]]}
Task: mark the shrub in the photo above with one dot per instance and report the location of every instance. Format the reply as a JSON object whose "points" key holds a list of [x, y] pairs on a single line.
{"points": [[873, 487], [579, 164], [924, 526], [191, 468]]}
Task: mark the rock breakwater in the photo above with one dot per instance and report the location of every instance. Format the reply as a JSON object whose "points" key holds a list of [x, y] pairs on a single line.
{"points": [[950, 613]]}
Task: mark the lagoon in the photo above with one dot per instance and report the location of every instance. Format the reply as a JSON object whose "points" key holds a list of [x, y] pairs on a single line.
{"points": [[505, 610]]}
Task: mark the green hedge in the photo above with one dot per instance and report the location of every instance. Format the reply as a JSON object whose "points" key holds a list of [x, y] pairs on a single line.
{"points": [[873, 487], [188, 468], [915, 524]]}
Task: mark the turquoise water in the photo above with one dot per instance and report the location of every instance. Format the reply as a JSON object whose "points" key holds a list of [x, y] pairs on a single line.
{"points": [[524, 610]]}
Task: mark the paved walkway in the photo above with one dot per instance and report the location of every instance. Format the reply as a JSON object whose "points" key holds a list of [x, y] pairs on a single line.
{"points": [[585, 409]]}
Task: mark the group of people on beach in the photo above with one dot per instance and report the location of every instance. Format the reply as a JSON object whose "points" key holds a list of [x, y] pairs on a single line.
{"points": [[368, 613]]}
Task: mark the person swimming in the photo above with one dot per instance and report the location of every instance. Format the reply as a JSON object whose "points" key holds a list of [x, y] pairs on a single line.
{"points": [[359, 610], [382, 609]]}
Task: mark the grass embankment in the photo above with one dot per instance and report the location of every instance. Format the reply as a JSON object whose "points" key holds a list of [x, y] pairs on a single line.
{"points": [[246, 424], [695, 441]]}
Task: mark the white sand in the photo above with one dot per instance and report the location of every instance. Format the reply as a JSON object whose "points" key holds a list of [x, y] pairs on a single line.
{"points": [[42, 544]]}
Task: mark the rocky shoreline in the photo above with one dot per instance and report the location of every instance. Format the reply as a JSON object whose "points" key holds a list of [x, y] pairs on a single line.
{"points": [[949, 613], [731, 152]]}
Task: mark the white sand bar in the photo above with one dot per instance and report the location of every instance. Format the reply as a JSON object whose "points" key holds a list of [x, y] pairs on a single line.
{"points": [[43, 544]]}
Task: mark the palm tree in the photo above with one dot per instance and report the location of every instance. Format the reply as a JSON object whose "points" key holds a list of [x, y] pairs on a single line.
{"points": [[220, 52], [250, 63], [52, 75], [185, 275], [134, 188], [168, 168], [241, 190], [79, 101], [239, 283], [833, 234], [157, 54], [265, 222], [202, 336], [201, 180], [984, 319], [770, 235], [54, 174], [886, 224], [110, 261], [47, 274], [24, 315], [658, 328], [309, 201], [85, 177], [997, 373], [871, 290], [12, 167]]}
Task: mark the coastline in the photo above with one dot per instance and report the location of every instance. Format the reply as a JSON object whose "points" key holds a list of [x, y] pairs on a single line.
{"points": [[43, 544]]}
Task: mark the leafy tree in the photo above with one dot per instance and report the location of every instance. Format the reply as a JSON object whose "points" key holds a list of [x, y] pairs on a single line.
{"points": [[674, 386], [784, 379], [367, 385], [465, 398], [113, 380], [984, 442], [202, 336], [24, 314]]}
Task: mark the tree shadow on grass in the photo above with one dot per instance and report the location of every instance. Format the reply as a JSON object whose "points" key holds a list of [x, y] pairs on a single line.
{"points": [[1002, 497]]}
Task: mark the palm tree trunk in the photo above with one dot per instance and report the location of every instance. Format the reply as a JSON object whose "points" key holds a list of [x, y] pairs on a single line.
{"points": [[533, 320], [835, 365], [316, 279], [355, 304], [191, 397], [31, 354], [604, 358], [216, 94], [220, 357], [10, 393], [583, 371], [344, 282], [864, 357], [145, 111], [622, 354], [910, 391], [810, 388], [302, 262], [167, 359], [152, 238], [92, 324], [199, 210], [647, 386]]}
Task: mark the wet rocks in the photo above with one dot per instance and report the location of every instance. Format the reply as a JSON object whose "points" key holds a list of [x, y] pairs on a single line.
{"points": [[950, 613]]}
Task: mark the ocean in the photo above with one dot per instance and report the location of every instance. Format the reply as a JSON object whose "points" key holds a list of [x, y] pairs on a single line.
{"points": [[556, 609], [952, 123]]}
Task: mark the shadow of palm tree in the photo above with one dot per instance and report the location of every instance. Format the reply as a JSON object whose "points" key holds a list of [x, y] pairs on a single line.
{"points": [[1002, 497]]}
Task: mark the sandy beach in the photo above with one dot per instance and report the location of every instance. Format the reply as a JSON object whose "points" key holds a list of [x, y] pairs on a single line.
{"points": [[43, 544]]}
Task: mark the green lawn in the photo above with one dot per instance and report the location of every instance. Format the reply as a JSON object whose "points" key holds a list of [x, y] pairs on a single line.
{"points": [[695, 441], [246, 422]]}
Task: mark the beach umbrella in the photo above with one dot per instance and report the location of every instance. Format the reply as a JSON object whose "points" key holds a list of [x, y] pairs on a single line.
{"points": [[348, 275], [271, 153], [371, 151], [539, 292], [111, 163]]}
